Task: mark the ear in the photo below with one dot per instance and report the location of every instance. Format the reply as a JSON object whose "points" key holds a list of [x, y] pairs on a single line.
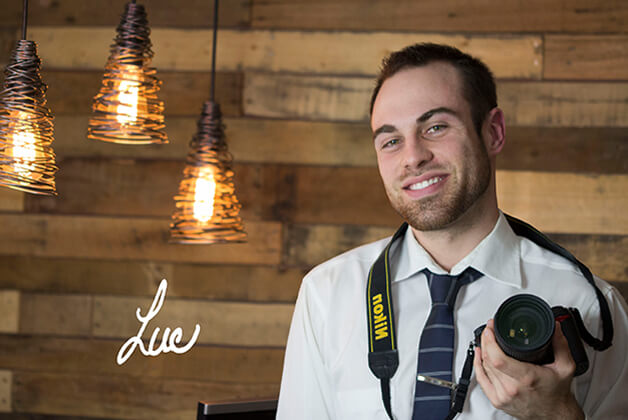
{"points": [[494, 131]]}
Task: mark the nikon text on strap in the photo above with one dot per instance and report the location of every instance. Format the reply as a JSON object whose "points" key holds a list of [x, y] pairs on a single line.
{"points": [[383, 357]]}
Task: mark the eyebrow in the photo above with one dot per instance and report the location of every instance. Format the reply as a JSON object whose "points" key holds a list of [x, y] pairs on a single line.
{"points": [[387, 128]]}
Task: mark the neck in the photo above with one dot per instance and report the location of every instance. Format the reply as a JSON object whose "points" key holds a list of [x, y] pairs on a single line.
{"points": [[451, 244]]}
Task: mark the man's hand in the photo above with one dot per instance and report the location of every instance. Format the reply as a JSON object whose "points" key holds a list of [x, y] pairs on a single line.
{"points": [[524, 390]]}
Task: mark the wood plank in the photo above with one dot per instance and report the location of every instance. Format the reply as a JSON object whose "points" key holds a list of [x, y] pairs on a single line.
{"points": [[309, 245], [11, 200], [196, 13], [601, 57], [121, 396], [71, 92], [8, 37], [230, 365], [222, 323], [554, 202], [584, 149], [55, 314], [129, 239], [284, 51], [6, 384], [141, 278], [9, 311], [444, 15], [547, 104], [566, 203]]}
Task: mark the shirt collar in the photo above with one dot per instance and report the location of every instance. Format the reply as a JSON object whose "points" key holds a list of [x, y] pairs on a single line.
{"points": [[496, 256]]}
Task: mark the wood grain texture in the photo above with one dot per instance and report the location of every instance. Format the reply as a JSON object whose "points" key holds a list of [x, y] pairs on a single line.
{"points": [[284, 51], [55, 314], [141, 278], [122, 397], [6, 385], [309, 245], [71, 92], [196, 13], [548, 104], [584, 149], [128, 239], [11, 200], [229, 365], [596, 57], [9, 310], [444, 16], [233, 323], [8, 37]]}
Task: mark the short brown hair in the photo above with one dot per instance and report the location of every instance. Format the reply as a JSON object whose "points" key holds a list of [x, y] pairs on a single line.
{"points": [[477, 80]]}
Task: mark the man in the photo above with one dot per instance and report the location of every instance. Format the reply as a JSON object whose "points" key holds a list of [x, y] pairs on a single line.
{"points": [[437, 131]]}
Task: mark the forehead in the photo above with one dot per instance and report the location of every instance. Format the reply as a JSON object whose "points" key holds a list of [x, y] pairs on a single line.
{"points": [[411, 92]]}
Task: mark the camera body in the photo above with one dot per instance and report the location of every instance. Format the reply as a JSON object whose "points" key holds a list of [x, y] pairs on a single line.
{"points": [[524, 326]]}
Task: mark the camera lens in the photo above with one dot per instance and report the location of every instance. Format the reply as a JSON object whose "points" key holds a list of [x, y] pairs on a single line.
{"points": [[524, 325]]}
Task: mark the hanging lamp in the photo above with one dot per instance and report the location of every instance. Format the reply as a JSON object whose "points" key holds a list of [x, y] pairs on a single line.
{"points": [[206, 208], [127, 110], [27, 161]]}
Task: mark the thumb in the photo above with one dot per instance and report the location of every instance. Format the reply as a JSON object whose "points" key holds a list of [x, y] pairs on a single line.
{"points": [[563, 361]]}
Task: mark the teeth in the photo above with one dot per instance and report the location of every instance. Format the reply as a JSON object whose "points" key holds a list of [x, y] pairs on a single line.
{"points": [[424, 184]]}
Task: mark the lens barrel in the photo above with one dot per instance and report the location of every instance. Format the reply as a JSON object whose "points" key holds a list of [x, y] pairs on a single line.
{"points": [[524, 326]]}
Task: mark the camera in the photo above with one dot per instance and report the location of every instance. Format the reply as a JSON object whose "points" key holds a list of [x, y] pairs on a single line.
{"points": [[524, 326]]}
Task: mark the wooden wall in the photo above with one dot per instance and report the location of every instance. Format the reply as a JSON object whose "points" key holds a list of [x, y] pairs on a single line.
{"points": [[294, 82]]}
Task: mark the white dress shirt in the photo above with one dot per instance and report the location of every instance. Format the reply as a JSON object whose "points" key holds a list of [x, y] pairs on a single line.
{"points": [[326, 373]]}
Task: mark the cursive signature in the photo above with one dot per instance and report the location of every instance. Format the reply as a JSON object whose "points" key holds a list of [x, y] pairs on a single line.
{"points": [[169, 341]]}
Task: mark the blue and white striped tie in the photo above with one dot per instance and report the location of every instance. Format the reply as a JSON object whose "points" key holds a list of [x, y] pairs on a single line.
{"points": [[436, 347]]}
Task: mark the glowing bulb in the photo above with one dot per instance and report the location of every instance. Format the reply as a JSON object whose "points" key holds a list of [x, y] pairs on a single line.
{"points": [[204, 192], [23, 148], [128, 99]]}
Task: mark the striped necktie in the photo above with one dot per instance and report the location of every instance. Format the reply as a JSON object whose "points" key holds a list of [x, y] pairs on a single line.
{"points": [[436, 347]]}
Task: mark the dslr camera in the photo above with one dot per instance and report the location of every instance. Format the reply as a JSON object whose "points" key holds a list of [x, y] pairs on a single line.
{"points": [[524, 326]]}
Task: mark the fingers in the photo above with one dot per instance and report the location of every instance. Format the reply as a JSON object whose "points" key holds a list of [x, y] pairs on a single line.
{"points": [[495, 360], [564, 364]]}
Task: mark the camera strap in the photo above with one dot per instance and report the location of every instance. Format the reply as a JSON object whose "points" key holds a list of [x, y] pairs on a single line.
{"points": [[383, 357]]}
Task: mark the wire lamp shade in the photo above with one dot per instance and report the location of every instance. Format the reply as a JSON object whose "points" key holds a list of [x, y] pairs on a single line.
{"points": [[207, 210], [27, 161], [127, 110]]}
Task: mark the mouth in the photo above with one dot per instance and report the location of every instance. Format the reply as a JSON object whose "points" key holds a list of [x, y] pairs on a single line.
{"points": [[417, 187]]}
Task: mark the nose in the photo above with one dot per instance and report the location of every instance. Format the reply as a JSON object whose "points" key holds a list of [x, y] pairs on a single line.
{"points": [[416, 153]]}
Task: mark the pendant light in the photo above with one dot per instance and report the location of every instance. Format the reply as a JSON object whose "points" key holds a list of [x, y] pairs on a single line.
{"points": [[206, 207], [27, 161], [127, 110]]}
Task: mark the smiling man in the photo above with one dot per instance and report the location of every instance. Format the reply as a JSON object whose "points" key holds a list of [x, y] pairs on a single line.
{"points": [[437, 131]]}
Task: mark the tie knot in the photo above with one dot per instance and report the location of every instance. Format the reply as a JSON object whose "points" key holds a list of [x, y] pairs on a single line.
{"points": [[444, 288]]}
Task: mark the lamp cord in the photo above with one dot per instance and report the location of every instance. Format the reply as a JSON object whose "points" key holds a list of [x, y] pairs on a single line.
{"points": [[213, 80], [24, 18]]}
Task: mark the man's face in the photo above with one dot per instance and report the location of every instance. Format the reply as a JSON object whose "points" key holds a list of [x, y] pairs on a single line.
{"points": [[433, 164]]}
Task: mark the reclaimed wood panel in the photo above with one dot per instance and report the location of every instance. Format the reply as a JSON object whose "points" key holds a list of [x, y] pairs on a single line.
{"points": [[284, 51], [595, 57], [55, 314], [98, 357], [6, 384], [123, 397], [196, 13], [141, 278], [444, 15], [309, 245], [129, 239], [233, 323], [8, 37], [551, 104], [71, 92], [9, 311], [582, 149], [11, 200]]}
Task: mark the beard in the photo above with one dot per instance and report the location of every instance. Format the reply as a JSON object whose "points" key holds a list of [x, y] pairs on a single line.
{"points": [[439, 211]]}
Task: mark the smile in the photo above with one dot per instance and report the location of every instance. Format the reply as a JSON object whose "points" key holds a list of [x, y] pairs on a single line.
{"points": [[424, 184]]}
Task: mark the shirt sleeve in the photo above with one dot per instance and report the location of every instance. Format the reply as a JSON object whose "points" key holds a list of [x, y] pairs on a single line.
{"points": [[606, 396], [305, 386]]}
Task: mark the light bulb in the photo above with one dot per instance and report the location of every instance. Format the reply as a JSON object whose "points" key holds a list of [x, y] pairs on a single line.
{"points": [[204, 193], [23, 148], [130, 102]]}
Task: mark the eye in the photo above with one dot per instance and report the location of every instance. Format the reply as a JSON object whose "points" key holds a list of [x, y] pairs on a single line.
{"points": [[436, 129], [390, 143]]}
